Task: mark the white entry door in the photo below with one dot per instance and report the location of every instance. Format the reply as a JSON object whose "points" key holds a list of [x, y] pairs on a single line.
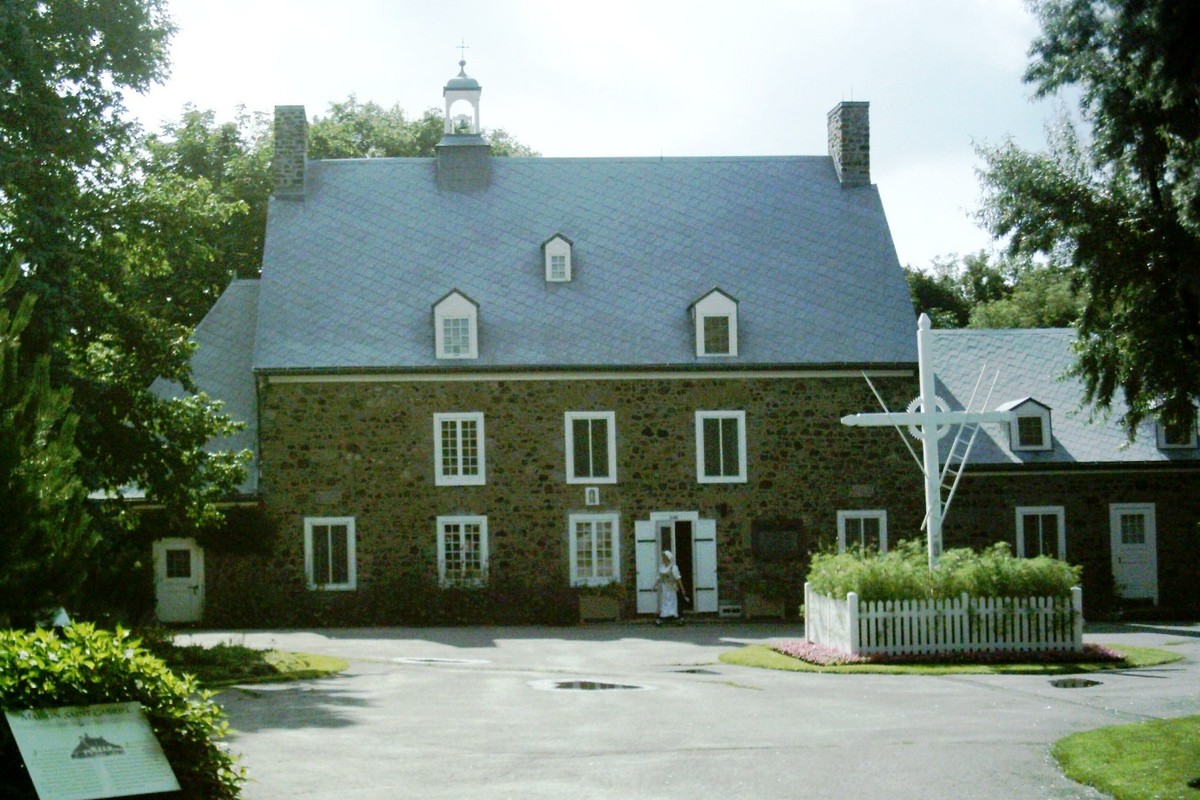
{"points": [[178, 580], [693, 541], [1134, 550]]}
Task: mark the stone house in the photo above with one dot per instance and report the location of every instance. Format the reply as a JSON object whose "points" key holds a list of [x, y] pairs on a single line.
{"points": [[1059, 483], [475, 386], [506, 378]]}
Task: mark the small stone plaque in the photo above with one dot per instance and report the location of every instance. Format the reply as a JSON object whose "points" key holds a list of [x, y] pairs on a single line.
{"points": [[91, 752]]}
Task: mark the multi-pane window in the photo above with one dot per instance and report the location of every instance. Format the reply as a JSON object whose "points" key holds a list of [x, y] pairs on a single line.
{"points": [[721, 446], [715, 316], [591, 445], [179, 563], [558, 268], [462, 551], [1030, 432], [716, 336], [1040, 531], [865, 530], [1133, 528], [455, 326], [456, 336], [329, 552], [594, 549], [1177, 435], [458, 445]]}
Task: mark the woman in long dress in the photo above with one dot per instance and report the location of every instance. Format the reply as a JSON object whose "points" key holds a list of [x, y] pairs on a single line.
{"points": [[670, 586]]}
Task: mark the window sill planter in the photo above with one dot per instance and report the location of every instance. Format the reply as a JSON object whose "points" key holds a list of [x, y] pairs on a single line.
{"points": [[758, 605], [598, 607]]}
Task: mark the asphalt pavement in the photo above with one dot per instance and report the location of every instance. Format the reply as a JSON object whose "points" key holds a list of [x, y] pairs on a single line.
{"points": [[634, 711]]}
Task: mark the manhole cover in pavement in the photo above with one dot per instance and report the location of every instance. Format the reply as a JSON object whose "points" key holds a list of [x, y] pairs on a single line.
{"points": [[1073, 683], [441, 661], [584, 686]]}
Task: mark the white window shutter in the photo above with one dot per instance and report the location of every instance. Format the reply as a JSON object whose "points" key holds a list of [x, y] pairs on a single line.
{"points": [[704, 566], [646, 558]]}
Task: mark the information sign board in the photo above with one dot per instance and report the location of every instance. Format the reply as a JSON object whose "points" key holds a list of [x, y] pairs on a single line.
{"points": [[91, 752]]}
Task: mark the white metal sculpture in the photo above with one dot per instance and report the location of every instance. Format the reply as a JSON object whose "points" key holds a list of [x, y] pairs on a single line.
{"points": [[929, 423]]}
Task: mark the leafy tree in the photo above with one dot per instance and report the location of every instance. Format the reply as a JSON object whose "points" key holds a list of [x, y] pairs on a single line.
{"points": [[226, 167], [99, 250], [937, 294], [1039, 296], [1121, 205], [367, 130], [43, 552]]}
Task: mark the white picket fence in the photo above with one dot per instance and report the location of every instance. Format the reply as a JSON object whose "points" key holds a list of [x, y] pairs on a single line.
{"points": [[913, 627]]}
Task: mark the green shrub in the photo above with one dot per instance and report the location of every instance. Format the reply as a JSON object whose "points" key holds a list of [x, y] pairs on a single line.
{"points": [[84, 666], [904, 574]]}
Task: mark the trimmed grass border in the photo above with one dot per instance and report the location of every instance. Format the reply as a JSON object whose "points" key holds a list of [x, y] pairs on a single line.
{"points": [[1141, 761], [229, 664], [763, 657]]}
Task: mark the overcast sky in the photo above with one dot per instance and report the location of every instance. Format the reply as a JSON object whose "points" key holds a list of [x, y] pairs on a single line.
{"points": [[651, 78]]}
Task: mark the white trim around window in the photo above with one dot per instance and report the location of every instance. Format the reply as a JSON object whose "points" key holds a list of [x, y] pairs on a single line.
{"points": [[591, 446], [1035, 524], [462, 551], [459, 449], [594, 547], [1174, 438], [858, 528], [329, 553], [721, 446], [456, 327]]}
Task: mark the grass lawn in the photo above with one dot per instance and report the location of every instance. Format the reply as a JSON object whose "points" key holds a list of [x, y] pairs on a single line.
{"points": [[1155, 760], [760, 655], [226, 664]]}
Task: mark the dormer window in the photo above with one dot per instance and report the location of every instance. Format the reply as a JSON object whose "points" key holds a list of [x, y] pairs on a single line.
{"points": [[456, 326], [1031, 429], [1176, 437], [715, 319], [557, 253]]}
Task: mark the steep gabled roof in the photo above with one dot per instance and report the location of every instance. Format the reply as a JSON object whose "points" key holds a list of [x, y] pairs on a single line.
{"points": [[221, 368], [350, 272], [1034, 364]]}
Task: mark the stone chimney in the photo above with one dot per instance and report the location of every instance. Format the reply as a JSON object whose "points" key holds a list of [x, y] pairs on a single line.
{"points": [[291, 152], [850, 142]]}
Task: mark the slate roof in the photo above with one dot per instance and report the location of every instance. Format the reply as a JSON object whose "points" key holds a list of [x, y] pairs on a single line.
{"points": [[221, 367], [351, 272], [1032, 364]]}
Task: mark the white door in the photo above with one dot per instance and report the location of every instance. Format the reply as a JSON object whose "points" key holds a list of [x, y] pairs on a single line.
{"points": [[178, 580], [694, 544], [1134, 550]]}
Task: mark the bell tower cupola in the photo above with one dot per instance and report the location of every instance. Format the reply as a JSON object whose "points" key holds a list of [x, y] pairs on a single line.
{"points": [[462, 89], [463, 157]]}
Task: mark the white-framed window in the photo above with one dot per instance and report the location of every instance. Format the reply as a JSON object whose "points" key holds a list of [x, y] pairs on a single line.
{"points": [[557, 252], [462, 546], [459, 450], [594, 548], [721, 446], [866, 529], [1041, 531], [1031, 428], [329, 561], [591, 446], [456, 326], [1176, 436], [715, 318]]}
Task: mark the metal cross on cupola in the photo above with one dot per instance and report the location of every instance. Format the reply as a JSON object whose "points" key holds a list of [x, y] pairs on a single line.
{"points": [[929, 418]]}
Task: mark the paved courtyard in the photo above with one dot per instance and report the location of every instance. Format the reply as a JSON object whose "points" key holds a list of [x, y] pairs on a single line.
{"points": [[472, 713]]}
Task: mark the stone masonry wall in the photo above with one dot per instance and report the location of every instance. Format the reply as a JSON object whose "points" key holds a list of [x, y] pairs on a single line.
{"points": [[366, 450], [984, 511]]}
